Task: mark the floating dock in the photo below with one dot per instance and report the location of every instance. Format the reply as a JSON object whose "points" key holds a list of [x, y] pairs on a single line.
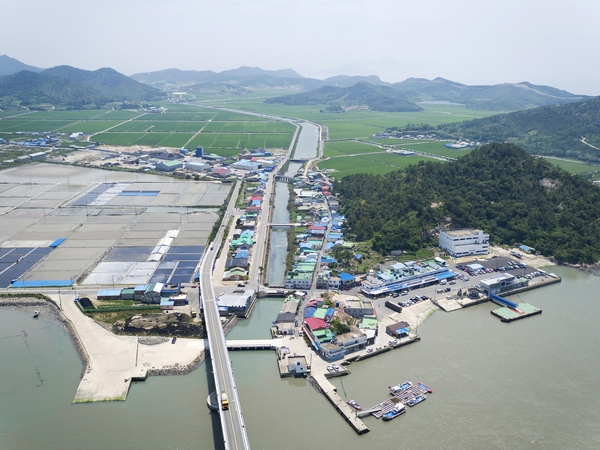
{"points": [[523, 310], [403, 396]]}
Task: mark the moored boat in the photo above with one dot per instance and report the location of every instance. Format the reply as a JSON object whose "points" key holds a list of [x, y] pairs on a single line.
{"points": [[354, 405], [416, 400], [425, 387], [36, 312], [401, 387], [400, 409]]}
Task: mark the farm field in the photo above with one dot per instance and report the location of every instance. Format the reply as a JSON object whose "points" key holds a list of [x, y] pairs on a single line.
{"points": [[434, 147], [349, 148], [377, 164], [221, 132], [574, 167]]}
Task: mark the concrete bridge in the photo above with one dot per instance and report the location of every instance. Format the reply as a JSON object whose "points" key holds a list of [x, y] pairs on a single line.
{"points": [[284, 225]]}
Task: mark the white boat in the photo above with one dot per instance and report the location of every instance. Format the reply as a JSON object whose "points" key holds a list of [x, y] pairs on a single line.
{"points": [[400, 387], [36, 313]]}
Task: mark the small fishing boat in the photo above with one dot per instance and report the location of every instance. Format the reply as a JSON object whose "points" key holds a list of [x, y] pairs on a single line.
{"points": [[416, 400], [36, 313], [398, 410], [425, 387], [401, 387], [354, 405]]}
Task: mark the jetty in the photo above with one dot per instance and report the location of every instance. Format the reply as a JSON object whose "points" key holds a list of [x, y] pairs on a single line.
{"points": [[348, 413]]}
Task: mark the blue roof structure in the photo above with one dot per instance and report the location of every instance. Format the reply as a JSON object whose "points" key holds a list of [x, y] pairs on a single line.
{"points": [[309, 311], [57, 242], [402, 330], [443, 276], [109, 293], [346, 277], [41, 283], [242, 254]]}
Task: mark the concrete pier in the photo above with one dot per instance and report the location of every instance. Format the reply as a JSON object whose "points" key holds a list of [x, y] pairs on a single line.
{"points": [[348, 413]]}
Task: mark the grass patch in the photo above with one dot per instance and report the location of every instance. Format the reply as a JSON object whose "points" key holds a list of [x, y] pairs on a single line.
{"points": [[574, 167], [378, 164], [348, 148]]}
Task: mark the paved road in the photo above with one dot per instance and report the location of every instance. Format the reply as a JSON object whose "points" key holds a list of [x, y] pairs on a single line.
{"points": [[232, 421]]}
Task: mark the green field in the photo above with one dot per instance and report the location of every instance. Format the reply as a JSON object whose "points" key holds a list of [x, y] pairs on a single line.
{"points": [[65, 115], [222, 132], [14, 125], [378, 164], [434, 147], [249, 127], [574, 167], [348, 148], [89, 126]]}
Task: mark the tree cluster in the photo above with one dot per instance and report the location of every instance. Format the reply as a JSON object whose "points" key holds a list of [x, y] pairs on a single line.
{"points": [[515, 197]]}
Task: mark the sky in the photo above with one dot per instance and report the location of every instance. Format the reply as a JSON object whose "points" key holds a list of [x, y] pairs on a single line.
{"points": [[549, 42]]}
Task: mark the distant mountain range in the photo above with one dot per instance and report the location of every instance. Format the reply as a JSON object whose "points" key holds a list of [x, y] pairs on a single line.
{"points": [[501, 97], [348, 92]]}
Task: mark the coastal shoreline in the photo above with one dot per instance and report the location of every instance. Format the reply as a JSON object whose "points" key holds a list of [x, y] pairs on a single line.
{"points": [[170, 368]]}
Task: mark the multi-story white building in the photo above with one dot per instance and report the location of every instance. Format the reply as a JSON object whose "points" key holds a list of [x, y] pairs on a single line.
{"points": [[464, 242]]}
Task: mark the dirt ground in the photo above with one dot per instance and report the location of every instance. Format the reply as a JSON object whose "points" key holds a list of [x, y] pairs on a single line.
{"points": [[170, 324]]}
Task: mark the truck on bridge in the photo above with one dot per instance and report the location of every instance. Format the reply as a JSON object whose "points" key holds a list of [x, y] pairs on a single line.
{"points": [[224, 401]]}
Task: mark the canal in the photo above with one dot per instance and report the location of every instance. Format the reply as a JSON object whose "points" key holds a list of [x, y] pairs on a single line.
{"points": [[308, 141]]}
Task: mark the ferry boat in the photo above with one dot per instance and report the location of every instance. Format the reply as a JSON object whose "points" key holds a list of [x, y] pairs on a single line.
{"points": [[401, 387], [416, 400], [398, 410], [36, 313], [425, 387], [354, 405]]}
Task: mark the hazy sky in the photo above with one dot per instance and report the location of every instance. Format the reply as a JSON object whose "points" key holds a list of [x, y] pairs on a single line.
{"points": [[552, 42]]}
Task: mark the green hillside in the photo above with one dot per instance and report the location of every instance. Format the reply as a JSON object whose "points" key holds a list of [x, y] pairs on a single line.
{"points": [[377, 98], [550, 130], [108, 82], [29, 88], [499, 188]]}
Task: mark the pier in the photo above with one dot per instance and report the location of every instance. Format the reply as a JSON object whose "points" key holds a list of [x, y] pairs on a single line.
{"points": [[348, 412]]}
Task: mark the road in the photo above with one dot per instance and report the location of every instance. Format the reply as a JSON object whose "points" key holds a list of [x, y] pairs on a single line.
{"points": [[232, 421]]}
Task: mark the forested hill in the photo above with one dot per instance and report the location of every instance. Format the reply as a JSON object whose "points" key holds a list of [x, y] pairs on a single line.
{"points": [[549, 130], [377, 98], [515, 197]]}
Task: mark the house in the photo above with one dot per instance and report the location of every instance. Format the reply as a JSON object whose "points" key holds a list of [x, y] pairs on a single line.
{"points": [[153, 293], [241, 263], [359, 308], [317, 230], [235, 274], [221, 172], [398, 329], [334, 283], [347, 280], [298, 280]]}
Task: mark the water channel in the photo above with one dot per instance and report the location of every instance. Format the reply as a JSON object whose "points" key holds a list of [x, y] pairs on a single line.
{"points": [[305, 148]]}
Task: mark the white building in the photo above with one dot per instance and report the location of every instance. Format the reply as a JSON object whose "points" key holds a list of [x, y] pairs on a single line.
{"points": [[464, 242]]}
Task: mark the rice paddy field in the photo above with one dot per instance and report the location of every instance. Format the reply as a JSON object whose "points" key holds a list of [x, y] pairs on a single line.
{"points": [[376, 164], [227, 132], [221, 132]]}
